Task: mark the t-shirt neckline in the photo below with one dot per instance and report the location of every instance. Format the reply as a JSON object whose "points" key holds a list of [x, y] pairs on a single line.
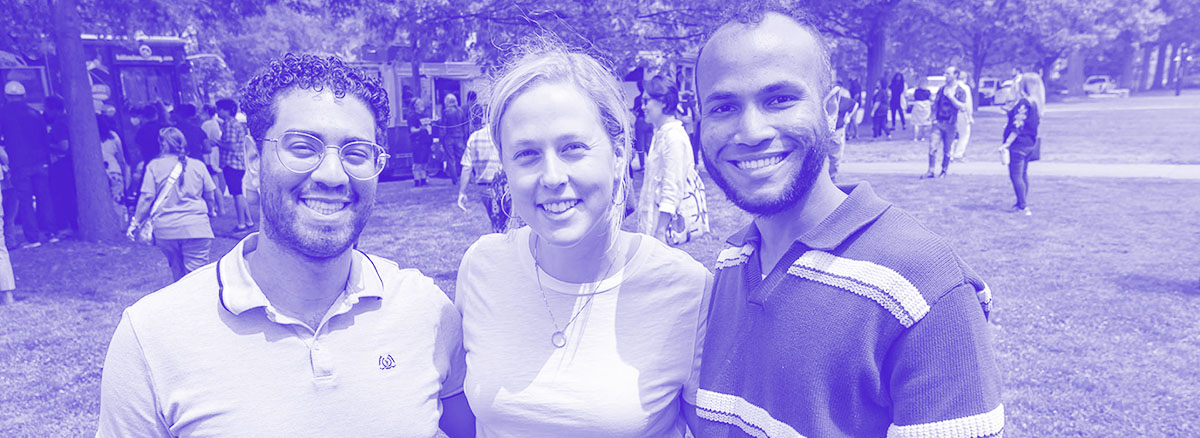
{"points": [[551, 284]]}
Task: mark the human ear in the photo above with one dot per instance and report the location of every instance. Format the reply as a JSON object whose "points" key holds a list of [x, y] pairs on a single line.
{"points": [[830, 107]]}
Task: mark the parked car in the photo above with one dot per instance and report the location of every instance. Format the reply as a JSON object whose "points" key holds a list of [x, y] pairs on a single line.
{"points": [[1098, 84], [932, 83], [987, 91], [1005, 93]]}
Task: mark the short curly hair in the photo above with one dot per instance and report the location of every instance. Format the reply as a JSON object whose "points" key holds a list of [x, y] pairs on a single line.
{"points": [[310, 72]]}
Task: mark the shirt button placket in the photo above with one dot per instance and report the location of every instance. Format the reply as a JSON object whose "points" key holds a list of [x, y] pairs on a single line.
{"points": [[322, 361]]}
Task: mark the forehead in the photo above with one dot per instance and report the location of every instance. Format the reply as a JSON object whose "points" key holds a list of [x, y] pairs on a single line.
{"points": [[322, 113], [773, 50], [549, 110]]}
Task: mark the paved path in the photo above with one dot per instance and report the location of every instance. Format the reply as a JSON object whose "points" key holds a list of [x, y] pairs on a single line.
{"points": [[1038, 168]]}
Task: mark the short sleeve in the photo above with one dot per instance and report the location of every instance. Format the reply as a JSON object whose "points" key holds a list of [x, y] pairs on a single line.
{"points": [[942, 373], [128, 404], [692, 386], [449, 340], [149, 186]]}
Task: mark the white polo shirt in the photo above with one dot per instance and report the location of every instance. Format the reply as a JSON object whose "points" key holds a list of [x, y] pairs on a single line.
{"points": [[210, 356]]}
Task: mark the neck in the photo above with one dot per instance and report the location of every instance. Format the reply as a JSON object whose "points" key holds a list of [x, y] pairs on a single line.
{"points": [[297, 285], [663, 121], [781, 229], [587, 261]]}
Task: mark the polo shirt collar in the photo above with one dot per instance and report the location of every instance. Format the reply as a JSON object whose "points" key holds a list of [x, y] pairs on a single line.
{"points": [[240, 293], [859, 209]]}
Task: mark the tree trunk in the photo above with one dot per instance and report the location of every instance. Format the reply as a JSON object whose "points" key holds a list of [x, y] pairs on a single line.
{"points": [[1144, 72], [1157, 82], [1172, 64], [1128, 55], [97, 217], [1075, 64], [876, 56]]}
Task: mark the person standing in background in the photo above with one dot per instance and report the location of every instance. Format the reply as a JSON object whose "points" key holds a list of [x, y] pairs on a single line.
{"points": [[481, 164], [8, 281], [1021, 135], [181, 222], [896, 104], [966, 117], [233, 160], [846, 106], [212, 133], [420, 141], [672, 194], [856, 94], [946, 106], [453, 127], [62, 171], [114, 167], [920, 114], [25, 139], [879, 111]]}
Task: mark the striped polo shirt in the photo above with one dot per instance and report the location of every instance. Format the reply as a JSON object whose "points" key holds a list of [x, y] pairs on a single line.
{"points": [[869, 325]]}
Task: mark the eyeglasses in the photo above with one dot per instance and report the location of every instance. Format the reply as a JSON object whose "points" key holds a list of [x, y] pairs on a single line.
{"points": [[303, 153]]}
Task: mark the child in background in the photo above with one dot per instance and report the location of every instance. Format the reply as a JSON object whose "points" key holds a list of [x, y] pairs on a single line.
{"points": [[920, 112]]}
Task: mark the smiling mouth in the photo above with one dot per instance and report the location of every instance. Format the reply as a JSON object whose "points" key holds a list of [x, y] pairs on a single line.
{"points": [[325, 207], [559, 207], [759, 163]]}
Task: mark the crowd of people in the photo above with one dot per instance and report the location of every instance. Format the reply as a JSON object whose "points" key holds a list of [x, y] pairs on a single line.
{"points": [[168, 171], [831, 313]]}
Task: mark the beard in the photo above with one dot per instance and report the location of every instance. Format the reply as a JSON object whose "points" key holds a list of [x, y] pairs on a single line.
{"points": [[816, 146], [281, 223]]}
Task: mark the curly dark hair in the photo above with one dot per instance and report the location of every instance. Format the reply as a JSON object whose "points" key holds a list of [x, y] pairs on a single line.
{"points": [[310, 72]]}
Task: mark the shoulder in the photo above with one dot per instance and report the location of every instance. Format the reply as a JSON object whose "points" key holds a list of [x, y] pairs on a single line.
{"points": [[407, 283], [670, 264], [188, 302], [902, 257]]}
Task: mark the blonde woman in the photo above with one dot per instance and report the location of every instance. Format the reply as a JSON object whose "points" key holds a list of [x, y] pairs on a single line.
{"points": [[1021, 136], [571, 326], [181, 227]]}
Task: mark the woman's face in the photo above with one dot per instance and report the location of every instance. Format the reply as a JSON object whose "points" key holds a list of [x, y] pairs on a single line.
{"points": [[560, 163], [653, 109]]}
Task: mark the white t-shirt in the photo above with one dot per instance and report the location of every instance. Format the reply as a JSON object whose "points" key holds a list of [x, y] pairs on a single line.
{"points": [[632, 354]]}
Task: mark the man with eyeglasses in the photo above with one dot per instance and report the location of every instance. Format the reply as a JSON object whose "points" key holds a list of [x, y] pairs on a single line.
{"points": [[295, 332]]}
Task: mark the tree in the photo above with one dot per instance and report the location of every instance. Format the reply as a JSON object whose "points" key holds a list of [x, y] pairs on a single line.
{"points": [[867, 21], [985, 31], [27, 26]]}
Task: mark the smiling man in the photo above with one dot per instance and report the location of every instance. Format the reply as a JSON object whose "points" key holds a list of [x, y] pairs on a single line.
{"points": [[295, 332], [834, 313]]}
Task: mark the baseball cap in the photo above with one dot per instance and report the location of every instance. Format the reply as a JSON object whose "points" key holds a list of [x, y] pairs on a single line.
{"points": [[14, 88]]}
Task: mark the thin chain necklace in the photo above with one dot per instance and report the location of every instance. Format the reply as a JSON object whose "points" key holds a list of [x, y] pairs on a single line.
{"points": [[559, 337]]}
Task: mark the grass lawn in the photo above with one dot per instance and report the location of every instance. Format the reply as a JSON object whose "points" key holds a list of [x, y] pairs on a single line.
{"points": [[1153, 128], [1096, 297]]}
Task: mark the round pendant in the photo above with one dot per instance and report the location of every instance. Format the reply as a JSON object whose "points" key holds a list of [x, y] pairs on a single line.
{"points": [[558, 339]]}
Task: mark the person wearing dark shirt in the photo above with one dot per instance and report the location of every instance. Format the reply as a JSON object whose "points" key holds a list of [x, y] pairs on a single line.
{"points": [[879, 111], [62, 171], [897, 101], [1021, 136], [950, 99], [24, 133], [198, 145], [419, 140]]}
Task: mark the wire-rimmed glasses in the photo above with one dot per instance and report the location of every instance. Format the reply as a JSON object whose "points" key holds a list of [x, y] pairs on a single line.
{"points": [[303, 153]]}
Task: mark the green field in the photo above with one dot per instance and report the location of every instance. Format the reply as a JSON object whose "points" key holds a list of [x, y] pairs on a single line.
{"points": [[1096, 294], [1159, 128]]}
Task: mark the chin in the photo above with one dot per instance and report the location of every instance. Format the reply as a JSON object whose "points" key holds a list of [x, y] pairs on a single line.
{"points": [[794, 188]]}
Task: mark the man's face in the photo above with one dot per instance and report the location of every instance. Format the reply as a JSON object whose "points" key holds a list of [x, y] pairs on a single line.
{"points": [[319, 213], [951, 76], [764, 134]]}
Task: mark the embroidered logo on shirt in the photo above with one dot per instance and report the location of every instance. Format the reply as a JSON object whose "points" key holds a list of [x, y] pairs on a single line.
{"points": [[386, 362]]}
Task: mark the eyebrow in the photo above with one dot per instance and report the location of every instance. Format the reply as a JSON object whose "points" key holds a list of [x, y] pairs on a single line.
{"points": [[318, 135], [772, 88]]}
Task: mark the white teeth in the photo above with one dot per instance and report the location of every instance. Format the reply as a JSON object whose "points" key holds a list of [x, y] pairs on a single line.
{"points": [[560, 206], [759, 163], [324, 207]]}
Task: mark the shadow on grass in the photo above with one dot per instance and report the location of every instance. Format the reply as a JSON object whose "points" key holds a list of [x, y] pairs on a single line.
{"points": [[1148, 283]]}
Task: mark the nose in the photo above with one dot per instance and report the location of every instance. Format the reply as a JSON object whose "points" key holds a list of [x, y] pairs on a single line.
{"points": [[554, 172], [330, 172], [753, 128]]}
